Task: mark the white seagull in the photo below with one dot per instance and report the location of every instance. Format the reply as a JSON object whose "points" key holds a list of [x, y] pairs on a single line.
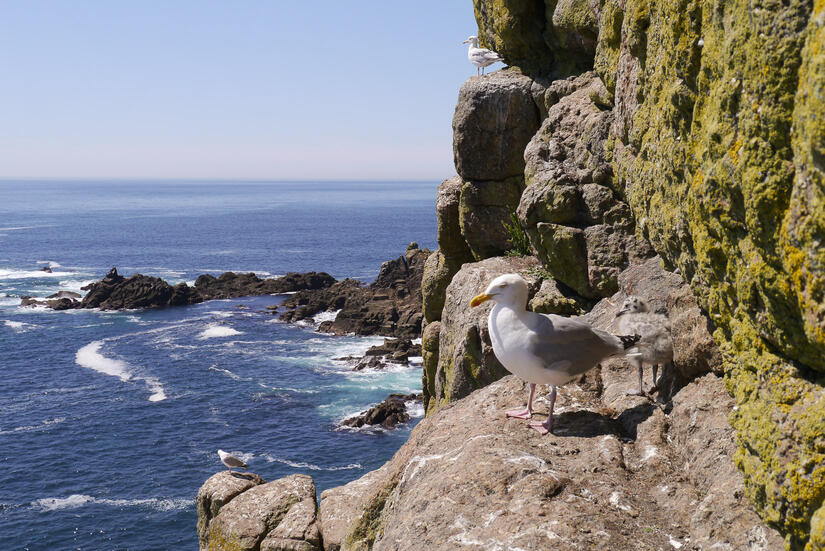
{"points": [[231, 461], [480, 57], [655, 346], [542, 348]]}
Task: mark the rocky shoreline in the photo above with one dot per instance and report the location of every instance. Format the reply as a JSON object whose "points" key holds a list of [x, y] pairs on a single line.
{"points": [[389, 306]]}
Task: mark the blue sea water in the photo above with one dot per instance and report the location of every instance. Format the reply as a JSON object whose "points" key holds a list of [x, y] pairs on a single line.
{"points": [[110, 421]]}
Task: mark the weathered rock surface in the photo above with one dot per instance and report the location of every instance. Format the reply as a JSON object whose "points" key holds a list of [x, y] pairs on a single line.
{"points": [[389, 413], [495, 118], [485, 209], [240, 512], [468, 476], [577, 223]]}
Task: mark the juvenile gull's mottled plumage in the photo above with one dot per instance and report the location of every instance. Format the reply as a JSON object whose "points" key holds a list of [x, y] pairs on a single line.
{"points": [[231, 461], [542, 348], [655, 346], [480, 57]]}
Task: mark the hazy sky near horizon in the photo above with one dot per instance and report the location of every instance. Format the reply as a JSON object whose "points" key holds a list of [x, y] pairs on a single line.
{"points": [[215, 89]]}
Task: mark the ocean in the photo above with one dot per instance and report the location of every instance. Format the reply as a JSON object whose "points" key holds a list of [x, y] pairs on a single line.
{"points": [[110, 421]]}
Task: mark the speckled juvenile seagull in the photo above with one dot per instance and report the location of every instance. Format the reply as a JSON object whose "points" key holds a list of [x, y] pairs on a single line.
{"points": [[655, 346], [231, 461], [542, 348], [480, 57]]}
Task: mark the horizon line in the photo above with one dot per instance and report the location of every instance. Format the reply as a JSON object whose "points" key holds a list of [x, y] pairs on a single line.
{"points": [[156, 179]]}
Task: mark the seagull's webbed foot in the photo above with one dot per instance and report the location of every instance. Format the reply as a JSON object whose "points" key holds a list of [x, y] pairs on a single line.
{"points": [[543, 428], [525, 413]]}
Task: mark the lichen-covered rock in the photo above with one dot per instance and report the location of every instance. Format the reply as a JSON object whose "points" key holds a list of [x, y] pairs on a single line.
{"points": [[466, 360], [447, 210], [452, 249], [274, 516], [718, 143], [495, 117], [551, 298], [572, 28], [485, 210], [576, 220], [429, 352], [216, 492], [515, 29], [470, 477]]}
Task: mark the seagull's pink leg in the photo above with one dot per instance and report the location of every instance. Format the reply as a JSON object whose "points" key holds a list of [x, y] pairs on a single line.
{"points": [[524, 413], [547, 426]]}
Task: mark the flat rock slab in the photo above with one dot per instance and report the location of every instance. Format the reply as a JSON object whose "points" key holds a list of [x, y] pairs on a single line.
{"points": [[636, 476]]}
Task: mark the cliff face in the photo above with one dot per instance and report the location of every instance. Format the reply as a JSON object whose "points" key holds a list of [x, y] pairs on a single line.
{"points": [[701, 136]]}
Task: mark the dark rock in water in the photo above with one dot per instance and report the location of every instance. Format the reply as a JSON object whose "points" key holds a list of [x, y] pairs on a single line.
{"points": [[294, 281], [391, 305], [63, 304], [114, 292], [393, 351], [389, 413], [305, 304], [232, 285], [46, 269], [66, 294]]}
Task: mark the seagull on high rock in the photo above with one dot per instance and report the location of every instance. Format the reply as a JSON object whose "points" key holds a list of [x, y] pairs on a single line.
{"points": [[231, 461], [655, 346], [543, 348], [480, 57]]}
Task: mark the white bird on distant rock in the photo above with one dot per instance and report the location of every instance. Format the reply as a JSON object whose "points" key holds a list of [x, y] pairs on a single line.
{"points": [[480, 57], [655, 346], [542, 348], [231, 461]]}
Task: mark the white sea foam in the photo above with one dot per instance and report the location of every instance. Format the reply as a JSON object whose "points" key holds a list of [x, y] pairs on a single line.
{"points": [[415, 408], [39, 426], [321, 317], [51, 263], [89, 356], [310, 466], [79, 500], [19, 326], [28, 274], [216, 330]]}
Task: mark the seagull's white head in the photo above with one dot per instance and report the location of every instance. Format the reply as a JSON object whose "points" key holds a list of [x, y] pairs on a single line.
{"points": [[507, 290], [222, 454], [472, 40], [632, 305]]}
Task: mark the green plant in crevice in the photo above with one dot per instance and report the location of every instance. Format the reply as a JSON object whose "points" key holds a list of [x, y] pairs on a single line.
{"points": [[520, 244]]}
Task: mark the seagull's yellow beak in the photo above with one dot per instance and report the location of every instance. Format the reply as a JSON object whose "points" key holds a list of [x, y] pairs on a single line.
{"points": [[478, 299]]}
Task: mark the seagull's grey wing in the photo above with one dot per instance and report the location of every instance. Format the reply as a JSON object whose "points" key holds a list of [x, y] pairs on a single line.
{"points": [[233, 461], [571, 345]]}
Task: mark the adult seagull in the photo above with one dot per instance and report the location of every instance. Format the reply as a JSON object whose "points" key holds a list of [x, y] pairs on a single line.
{"points": [[231, 461], [480, 57], [542, 348]]}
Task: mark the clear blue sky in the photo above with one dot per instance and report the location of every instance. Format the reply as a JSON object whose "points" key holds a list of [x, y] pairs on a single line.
{"points": [[230, 89]]}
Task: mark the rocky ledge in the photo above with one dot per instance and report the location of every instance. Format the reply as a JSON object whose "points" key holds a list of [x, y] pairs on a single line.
{"points": [[619, 472]]}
